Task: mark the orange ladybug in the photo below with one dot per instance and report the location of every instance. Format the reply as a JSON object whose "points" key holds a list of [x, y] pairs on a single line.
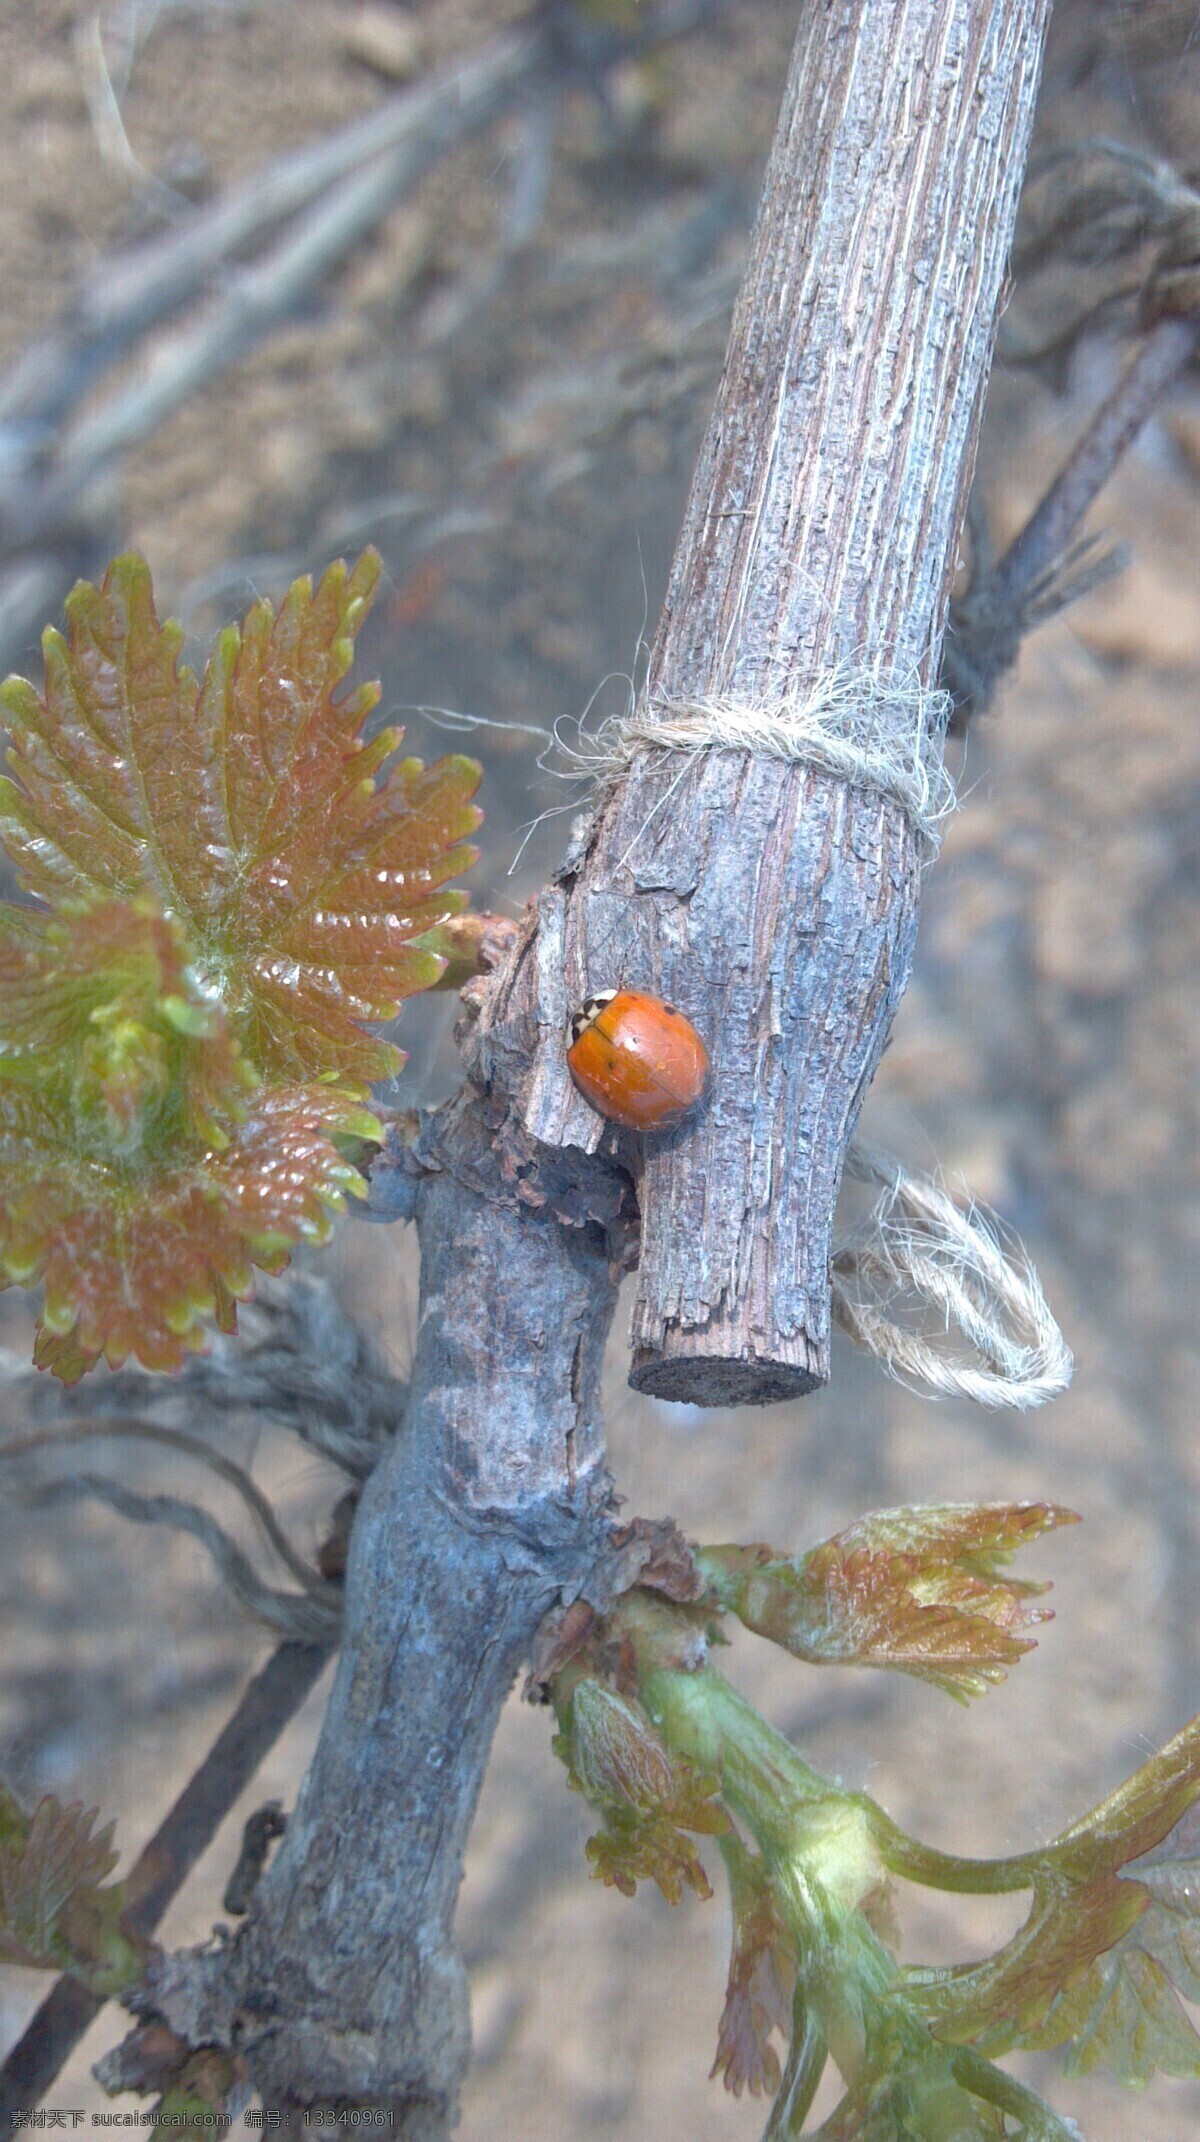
{"points": [[637, 1060]]}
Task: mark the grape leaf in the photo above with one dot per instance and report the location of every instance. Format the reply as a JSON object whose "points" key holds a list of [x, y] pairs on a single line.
{"points": [[143, 1167], [54, 1913], [648, 1796], [919, 1590], [762, 1969], [1124, 2013], [637, 1845], [247, 806], [1107, 1942], [1170, 1929]]}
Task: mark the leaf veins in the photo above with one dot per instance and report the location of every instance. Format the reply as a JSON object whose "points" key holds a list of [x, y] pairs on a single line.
{"points": [[54, 1913], [1112, 1939], [143, 1167], [247, 806], [919, 1590]]}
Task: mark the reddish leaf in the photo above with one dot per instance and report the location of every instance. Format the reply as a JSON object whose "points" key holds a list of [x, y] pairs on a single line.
{"points": [[143, 1170], [247, 806], [1093, 1964], [762, 1969], [918, 1590], [647, 1796]]}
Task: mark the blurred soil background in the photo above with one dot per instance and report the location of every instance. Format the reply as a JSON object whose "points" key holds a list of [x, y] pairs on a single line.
{"points": [[503, 386]]}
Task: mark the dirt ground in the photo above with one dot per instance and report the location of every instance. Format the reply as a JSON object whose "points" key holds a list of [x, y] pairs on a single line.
{"points": [[518, 447]]}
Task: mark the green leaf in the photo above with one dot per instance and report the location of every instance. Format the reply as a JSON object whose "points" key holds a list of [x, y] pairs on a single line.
{"points": [[143, 1168], [54, 1913], [1106, 1941], [1170, 1928], [919, 1590], [648, 1797], [247, 807], [1125, 2014], [236, 883]]}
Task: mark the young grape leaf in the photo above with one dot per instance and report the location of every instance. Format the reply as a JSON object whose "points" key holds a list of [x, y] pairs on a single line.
{"points": [[247, 806], [144, 1169], [1170, 1928], [636, 1845], [1125, 2014], [647, 1796], [54, 1913], [1113, 1935], [762, 1970], [919, 1590]]}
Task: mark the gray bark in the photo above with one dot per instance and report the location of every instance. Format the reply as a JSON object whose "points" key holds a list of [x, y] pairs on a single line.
{"points": [[491, 1505], [775, 905]]}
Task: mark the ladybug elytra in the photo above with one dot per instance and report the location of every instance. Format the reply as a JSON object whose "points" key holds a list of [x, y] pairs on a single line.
{"points": [[637, 1060]]}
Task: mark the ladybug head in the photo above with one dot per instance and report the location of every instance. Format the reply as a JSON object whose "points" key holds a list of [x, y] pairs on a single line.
{"points": [[589, 1011]]}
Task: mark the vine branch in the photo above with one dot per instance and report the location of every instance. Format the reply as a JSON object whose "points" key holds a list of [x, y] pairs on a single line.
{"points": [[269, 1703], [1046, 568], [492, 1505]]}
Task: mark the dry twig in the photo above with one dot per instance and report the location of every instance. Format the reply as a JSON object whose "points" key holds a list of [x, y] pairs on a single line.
{"points": [[247, 260], [1106, 207], [270, 1702]]}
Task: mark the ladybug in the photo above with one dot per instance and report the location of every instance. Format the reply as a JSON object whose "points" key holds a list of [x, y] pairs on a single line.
{"points": [[637, 1060]]}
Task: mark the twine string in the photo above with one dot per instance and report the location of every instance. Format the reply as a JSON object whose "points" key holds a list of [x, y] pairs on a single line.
{"points": [[954, 1264], [866, 730]]}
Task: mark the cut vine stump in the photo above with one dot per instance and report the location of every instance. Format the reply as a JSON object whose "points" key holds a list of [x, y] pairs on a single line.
{"points": [[774, 903]]}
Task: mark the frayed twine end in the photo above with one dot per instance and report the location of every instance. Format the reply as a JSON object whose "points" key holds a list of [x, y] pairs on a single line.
{"points": [[955, 1264]]}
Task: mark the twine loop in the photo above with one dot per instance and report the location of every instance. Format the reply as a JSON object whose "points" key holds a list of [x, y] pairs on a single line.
{"points": [[954, 1264]]}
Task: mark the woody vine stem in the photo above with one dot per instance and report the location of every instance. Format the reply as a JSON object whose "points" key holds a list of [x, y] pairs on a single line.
{"points": [[753, 851], [855, 378]]}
